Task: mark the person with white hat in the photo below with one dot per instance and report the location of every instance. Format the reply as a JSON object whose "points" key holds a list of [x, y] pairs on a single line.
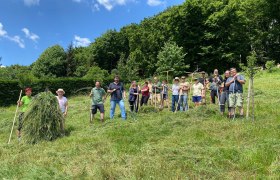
{"points": [[175, 94], [63, 105]]}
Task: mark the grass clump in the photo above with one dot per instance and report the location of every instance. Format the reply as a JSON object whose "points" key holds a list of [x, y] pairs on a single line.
{"points": [[42, 119]]}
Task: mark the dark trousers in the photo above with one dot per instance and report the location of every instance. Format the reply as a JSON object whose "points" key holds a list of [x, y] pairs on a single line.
{"points": [[133, 105], [175, 99], [213, 95], [223, 101], [144, 100]]}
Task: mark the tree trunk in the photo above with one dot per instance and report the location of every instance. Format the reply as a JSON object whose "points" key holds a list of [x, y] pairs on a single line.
{"points": [[248, 98], [253, 100]]}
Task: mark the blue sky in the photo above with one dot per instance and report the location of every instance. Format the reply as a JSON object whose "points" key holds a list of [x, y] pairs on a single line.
{"points": [[28, 27]]}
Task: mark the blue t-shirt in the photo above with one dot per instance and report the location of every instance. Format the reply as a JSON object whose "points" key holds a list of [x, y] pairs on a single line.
{"points": [[117, 94], [236, 86]]}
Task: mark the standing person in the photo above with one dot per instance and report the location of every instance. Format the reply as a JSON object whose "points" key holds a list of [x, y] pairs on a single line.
{"points": [[150, 85], [235, 84], [117, 95], [63, 105], [145, 94], [24, 102], [215, 82], [197, 91], [184, 88], [98, 96], [224, 93], [175, 95], [164, 92], [133, 96], [156, 91], [204, 81]]}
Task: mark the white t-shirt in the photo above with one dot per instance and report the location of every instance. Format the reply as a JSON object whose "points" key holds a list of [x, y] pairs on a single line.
{"points": [[62, 103], [197, 88], [175, 89]]}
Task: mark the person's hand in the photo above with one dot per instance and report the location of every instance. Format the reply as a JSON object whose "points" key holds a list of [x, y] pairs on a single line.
{"points": [[65, 114]]}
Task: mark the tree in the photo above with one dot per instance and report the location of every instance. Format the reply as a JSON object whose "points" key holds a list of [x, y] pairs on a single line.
{"points": [[251, 70], [128, 68], [70, 63], [97, 74], [51, 63], [171, 56]]}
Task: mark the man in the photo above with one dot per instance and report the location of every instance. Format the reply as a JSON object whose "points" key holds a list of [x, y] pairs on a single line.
{"points": [[235, 84], [197, 92], [98, 95], [215, 82], [204, 81], [117, 95], [224, 94], [156, 91], [184, 88], [24, 102]]}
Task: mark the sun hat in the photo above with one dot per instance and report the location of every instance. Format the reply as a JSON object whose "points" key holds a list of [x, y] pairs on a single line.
{"points": [[176, 78], [60, 90], [183, 77]]}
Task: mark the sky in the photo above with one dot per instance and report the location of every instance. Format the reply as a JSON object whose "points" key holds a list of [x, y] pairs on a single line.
{"points": [[28, 27]]}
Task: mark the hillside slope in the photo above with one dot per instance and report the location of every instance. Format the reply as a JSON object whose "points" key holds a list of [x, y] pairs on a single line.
{"points": [[163, 145]]}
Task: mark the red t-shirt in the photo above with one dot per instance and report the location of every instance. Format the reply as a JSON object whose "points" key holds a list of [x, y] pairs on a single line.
{"points": [[145, 91]]}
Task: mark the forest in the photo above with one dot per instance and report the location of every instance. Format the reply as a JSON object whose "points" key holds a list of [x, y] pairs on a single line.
{"points": [[204, 34]]}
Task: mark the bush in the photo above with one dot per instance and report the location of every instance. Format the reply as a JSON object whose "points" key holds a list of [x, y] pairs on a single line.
{"points": [[10, 89], [270, 65]]}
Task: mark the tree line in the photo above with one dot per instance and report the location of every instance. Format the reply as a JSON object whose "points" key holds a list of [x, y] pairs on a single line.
{"points": [[207, 34]]}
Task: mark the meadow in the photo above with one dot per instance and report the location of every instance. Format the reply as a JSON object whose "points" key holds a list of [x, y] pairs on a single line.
{"points": [[198, 144]]}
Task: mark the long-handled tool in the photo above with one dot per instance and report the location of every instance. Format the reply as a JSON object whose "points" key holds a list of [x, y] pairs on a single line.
{"points": [[234, 111], [15, 117]]}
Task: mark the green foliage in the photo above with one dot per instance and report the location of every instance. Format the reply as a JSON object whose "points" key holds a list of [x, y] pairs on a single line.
{"points": [[42, 119], [13, 72], [270, 65], [128, 68], [10, 89], [26, 80], [51, 63], [96, 73], [171, 57], [251, 69]]}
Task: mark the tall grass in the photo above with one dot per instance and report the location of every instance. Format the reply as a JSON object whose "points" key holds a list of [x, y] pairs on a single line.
{"points": [[199, 144]]}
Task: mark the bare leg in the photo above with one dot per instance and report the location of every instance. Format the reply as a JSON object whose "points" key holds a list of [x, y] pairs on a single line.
{"points": [[102, 117]]}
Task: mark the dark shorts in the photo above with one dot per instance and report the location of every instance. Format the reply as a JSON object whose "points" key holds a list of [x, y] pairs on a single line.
{"points": [[20, 120], [164, 96], [97, 106], [196, 98]]}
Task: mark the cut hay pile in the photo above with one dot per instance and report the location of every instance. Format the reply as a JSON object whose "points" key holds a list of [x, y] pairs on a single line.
{"points": [[42, 119]]}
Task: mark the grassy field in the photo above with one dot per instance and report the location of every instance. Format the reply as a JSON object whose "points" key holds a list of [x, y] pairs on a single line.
{"points": [[155, 145]]}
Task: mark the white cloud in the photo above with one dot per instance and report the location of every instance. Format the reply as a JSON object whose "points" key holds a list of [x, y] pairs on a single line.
{"points": [[78, 41], [15, 39], [155, 2], [110, 4], [77, 1], [95, 7], [30, 35], [2, 31], [31, 2]]}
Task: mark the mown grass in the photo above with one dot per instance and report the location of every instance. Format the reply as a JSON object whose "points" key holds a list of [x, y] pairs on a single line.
{"points": [[154, 145]]}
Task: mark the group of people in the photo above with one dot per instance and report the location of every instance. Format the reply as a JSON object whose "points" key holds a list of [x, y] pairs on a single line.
{"points": [[228, 90]]}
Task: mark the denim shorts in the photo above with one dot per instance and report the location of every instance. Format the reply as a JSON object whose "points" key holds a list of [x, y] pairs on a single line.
{"points": [[196, 98]]}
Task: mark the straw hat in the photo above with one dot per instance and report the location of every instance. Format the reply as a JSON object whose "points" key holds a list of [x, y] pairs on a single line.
{"points": [[60, 90]]}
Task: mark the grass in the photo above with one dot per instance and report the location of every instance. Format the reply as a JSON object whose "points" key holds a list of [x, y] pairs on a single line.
{"points": [[199, 144]]}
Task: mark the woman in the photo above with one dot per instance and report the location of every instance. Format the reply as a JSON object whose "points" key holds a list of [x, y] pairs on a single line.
{"points": [[175, 94], [145, 94], [63, 105], [133, 96], [197, 92]]}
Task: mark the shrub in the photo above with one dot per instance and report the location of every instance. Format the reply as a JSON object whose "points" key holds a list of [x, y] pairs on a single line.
{"points": [[269, 65]]}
